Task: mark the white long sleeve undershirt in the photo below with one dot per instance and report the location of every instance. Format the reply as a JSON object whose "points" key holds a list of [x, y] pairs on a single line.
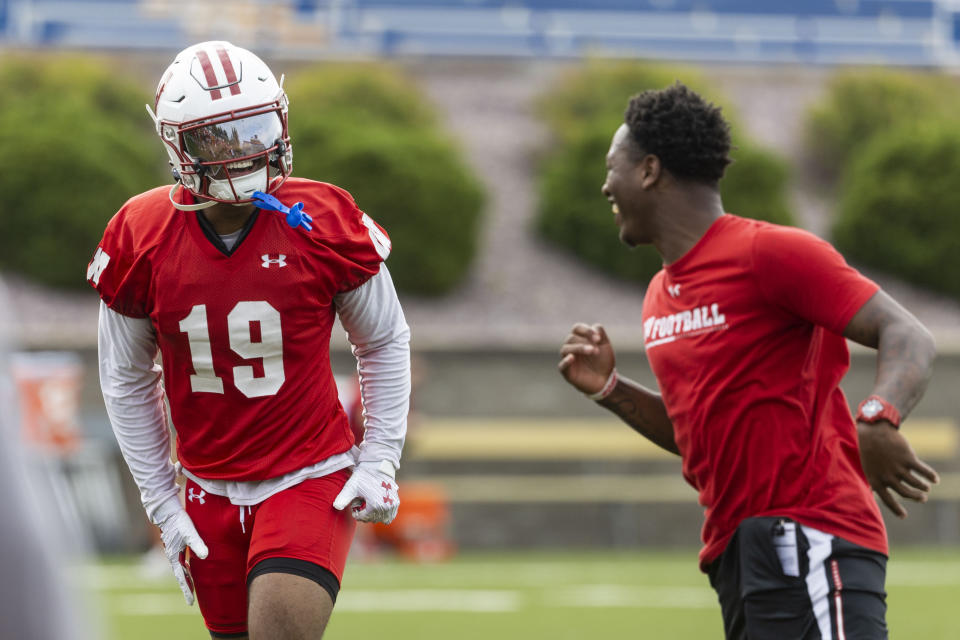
{"points": [[133, 395]]}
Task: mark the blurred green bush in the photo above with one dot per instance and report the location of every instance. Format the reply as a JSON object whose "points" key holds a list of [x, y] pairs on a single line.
{"points": [[366, 128], [860, 103], [77, 143], [900, 203], [757, 184], [582, 111], [595, 94]]}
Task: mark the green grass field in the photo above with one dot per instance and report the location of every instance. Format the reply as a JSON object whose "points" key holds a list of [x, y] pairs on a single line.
{"points": [[523, 595]]}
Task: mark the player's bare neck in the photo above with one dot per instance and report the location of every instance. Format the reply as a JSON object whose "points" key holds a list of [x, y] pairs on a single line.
{"points": [[227, 218], [691, 211]]}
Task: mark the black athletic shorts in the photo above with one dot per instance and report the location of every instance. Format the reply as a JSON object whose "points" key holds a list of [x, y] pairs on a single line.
{"points": [[778, 579]]}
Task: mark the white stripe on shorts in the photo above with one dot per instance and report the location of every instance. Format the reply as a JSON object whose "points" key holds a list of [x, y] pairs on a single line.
{"points": [[818, 584]]}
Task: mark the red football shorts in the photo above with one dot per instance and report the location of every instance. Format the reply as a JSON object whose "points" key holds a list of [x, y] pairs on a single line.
{"points": [[299, 522]]}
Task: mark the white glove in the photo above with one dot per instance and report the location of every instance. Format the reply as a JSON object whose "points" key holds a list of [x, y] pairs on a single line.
{"points": [[372, 491], [178, 533]]}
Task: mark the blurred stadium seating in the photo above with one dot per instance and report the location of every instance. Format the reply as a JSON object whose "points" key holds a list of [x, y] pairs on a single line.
{"points": [[105, 23], [902, 32]]}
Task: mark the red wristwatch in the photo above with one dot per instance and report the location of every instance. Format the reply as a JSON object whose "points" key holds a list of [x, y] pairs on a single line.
{"points": [[875, 409]]}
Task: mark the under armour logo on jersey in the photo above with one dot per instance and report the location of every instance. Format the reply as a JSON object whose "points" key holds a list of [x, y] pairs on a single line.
{"points": [[673, 290], [280, 260], [198, 496]]}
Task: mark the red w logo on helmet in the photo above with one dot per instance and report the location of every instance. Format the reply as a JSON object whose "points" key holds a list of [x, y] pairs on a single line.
{"points": [[210, 75]]}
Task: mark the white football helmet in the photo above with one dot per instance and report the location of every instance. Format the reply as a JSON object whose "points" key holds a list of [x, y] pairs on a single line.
{"points": [[222, 117]]}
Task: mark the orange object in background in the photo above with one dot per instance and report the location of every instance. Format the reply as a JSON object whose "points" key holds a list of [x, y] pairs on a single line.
{"points": [[421, 530], [48, 387]]}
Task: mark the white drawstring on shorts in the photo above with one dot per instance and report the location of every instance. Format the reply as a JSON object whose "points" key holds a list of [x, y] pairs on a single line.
{"points": [[250, 511]]}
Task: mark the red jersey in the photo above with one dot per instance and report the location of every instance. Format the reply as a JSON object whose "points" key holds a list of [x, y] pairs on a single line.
{"points": [[245, 335], [744, 335]]}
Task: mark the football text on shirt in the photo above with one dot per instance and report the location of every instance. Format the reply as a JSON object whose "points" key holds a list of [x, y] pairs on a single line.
{"points": [[687, 323]]}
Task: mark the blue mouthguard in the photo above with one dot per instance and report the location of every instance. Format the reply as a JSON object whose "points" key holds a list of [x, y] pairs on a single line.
{"points": [[295, 215]]}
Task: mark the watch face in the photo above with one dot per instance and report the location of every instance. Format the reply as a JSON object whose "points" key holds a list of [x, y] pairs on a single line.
{"points": [[871, 408]]}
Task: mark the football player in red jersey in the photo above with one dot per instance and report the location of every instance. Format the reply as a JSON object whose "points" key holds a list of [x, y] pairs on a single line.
{"points": [[744, 328], [235, 275]]}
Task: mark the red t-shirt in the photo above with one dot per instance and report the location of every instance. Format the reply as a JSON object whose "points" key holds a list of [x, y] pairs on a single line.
{"points": [[744, 335], [244, 337]]}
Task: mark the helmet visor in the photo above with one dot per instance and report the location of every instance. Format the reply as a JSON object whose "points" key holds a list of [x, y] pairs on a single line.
{"points": [[231, 143]]}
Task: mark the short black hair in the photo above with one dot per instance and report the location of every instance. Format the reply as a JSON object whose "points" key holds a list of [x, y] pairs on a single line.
{"points": [[687, 133]]}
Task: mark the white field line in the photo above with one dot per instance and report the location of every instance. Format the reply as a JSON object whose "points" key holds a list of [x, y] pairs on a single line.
{"points": [[436, 596], [419, 600], [119, 577], [153, 604], [371, 601], [461, 600], [907, 573], [494, 574], [630, 597], [508, 572]]}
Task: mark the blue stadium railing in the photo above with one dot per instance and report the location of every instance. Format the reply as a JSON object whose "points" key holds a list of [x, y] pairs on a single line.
{"points": [[903, 32], [841, 8], [917, 32]]}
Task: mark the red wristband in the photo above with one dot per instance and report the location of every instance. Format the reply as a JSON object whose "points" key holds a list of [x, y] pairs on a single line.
{"points": [[874, 409]]}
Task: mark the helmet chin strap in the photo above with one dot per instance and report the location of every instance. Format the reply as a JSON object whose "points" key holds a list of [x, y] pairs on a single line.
{"points": [[189, 207]]}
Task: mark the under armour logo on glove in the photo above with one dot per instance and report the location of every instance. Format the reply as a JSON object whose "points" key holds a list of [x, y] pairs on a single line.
{"points": [[372, 492], [295, 215], [387, 499]]}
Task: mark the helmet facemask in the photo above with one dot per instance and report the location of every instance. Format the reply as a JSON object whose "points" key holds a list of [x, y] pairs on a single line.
{"points": [[226, 159]]}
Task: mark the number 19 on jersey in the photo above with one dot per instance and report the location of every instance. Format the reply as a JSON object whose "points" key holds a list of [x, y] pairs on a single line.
{"points": [[240, 320]]}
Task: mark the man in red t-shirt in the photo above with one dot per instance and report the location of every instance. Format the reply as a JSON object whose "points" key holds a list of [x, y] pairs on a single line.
{"points": [[235, 275], [745, 328]]}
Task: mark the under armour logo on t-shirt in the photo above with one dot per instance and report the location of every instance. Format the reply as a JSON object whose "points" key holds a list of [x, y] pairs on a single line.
{"points": [[280, 260]]}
